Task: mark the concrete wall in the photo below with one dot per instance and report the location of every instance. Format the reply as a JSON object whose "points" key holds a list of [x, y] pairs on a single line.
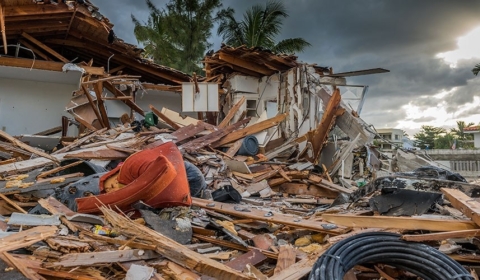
{"points": [[28, 107]]}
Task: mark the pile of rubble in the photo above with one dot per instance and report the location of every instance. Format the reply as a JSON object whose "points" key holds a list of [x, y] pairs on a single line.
{"points": [[256, 215]]}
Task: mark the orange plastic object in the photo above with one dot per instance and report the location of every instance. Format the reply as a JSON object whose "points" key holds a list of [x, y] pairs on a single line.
{"points": [[177, 192], [144, 165], [151, 183]]}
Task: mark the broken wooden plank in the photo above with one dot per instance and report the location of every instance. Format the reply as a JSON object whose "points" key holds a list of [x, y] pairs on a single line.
{"points": [[319, 136], [407, 223], [206, 140], [86, 91], [4, 197], [26, 238], [26, 147], [171, 249], [250, 213], [232, 151], [85, 259], [286, 258], [465, 204], [305, 189], [439, 236], [2, 28], [98, 88], [80, 141], [232, 112], [61, 274], [348, 123], [166, 119], [58, 169], [252, 257], [110, 87], [251, 130], [20, 266], [104, 154]]}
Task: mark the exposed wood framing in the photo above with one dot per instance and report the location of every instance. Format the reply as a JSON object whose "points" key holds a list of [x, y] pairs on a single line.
{"points": [[245, 64], [98, 87], [407, 223], [110, 87], [71, 21], [35, 50], [86, 91], [44, 65], [2, 28], [44, 47], [468, 206]]}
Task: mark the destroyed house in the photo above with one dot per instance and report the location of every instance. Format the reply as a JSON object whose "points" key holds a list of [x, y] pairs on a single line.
{"points": [[49, 49]]}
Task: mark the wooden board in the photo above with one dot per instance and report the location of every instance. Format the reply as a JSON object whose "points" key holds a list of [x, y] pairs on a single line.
{"points": [[286, 258], [304, 189], [26, 238], [171, 249], [85, 259], [439, 236], [408, 223], [465, 204], [260, 215], [249, 130]]}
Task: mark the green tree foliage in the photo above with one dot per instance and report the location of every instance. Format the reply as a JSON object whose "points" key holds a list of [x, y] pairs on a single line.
{"points": [[444, 141], [476, 69], [177, 36], [464, 139], [427, 135], [259, 28]]}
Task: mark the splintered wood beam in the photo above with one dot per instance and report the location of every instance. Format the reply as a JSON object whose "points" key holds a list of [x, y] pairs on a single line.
{"points": [[2, 27], [26, 147], [35, 50], [110, 87], [249, 130], [71, 21], [206, 140], [439, 236], [44, 47], [26, 238], [44, 65], [98, 87], [261, 215], [245, 64], [232, 113], [406, 223], [321, 132], [86, 91], [465, 204], [166, 119], [172, 250]]}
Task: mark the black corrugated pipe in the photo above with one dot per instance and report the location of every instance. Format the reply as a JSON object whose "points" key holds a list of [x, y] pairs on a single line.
{"points": [[386, 248]]}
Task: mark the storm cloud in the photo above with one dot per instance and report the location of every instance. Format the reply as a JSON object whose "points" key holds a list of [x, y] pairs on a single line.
{"points": [[402, 36]]}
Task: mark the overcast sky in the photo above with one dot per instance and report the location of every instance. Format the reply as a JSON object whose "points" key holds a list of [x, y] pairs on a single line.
{"points": [[430, 47]]}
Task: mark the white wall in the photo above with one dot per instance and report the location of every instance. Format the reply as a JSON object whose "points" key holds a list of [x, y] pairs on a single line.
{"points": [[28, 107]]}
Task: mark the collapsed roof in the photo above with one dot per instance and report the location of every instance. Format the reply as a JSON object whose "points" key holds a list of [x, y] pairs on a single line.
{"points": [[72, 32]]}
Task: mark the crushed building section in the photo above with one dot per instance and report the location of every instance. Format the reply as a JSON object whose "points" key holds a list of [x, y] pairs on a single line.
{"points": [[259, 170]]}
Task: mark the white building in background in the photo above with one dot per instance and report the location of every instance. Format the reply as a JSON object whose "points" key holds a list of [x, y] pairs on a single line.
{"points": [[391, 138], [475, 130]]}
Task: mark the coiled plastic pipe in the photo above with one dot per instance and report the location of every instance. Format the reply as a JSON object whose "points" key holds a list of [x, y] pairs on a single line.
{"points": [[386, 248]]}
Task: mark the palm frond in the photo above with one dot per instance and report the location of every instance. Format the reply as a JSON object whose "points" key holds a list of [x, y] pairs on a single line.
{"points": [[476, 69], [291, 45]]}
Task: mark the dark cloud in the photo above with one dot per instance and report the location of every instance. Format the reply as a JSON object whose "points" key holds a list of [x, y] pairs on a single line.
{"points": [[402, 36]]}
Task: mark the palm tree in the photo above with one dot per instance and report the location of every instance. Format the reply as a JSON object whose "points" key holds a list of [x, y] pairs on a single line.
{"points": [[476, 69], [259, 28], [463, 137]]}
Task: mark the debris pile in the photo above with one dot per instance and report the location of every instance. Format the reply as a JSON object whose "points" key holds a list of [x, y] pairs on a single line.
{"points": [[71, 214]]}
